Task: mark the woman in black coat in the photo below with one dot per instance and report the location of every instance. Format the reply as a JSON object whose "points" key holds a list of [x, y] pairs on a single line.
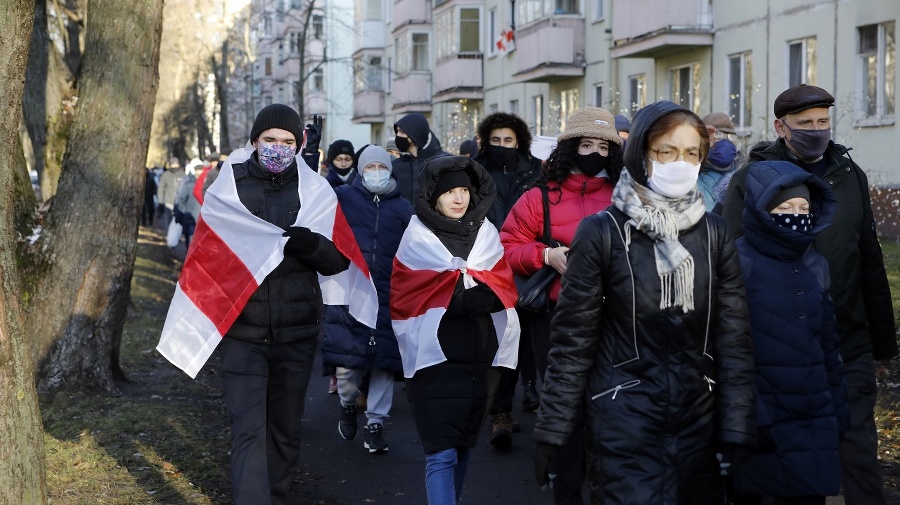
{"points": [[451, 304], [650, 339]]}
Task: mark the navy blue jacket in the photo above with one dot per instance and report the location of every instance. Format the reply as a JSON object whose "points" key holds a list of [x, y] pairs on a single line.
{"points": [[335, 181], [799, 373], [378, 223]]}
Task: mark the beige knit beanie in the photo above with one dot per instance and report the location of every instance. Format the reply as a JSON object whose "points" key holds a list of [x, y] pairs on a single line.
{"points": [[591, 122]]}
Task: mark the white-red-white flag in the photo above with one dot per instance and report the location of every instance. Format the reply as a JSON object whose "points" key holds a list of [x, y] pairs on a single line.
{"points": [[233, 251], [506, 42], [422, 283]]}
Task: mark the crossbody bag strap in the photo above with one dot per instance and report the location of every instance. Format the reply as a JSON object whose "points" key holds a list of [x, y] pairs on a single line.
{"points": [[545, 199]]}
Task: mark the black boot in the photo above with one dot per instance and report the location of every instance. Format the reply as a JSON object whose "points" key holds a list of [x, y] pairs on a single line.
{"points": [[531, 400]]}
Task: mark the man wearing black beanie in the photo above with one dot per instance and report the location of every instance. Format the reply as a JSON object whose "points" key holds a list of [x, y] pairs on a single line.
{"points": [[340, 161], [267, 353], [415, 138]]}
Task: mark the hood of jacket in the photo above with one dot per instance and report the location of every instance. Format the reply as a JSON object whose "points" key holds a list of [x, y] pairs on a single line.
{"points": [[637, 139], [457, 235], [764, 180], [416, 127]]}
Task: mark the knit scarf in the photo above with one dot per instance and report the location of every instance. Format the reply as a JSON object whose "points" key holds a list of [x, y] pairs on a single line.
{"points": [[661, 219]]}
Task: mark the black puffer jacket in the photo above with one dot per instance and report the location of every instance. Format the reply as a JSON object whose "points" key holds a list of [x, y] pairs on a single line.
{"points": [[859, 285], [287, 306], [510, 184], [660, 390], [449, 400]]}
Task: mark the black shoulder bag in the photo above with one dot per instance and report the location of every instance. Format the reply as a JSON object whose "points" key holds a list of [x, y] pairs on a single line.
{"points": [[534, 291]]}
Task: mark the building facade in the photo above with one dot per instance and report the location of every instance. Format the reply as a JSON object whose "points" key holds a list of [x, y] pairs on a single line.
{"points": [[458, 60]]}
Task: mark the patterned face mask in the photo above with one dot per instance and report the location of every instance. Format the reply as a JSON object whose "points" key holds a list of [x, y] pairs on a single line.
{"points": [[797, 222], [276, 158]]}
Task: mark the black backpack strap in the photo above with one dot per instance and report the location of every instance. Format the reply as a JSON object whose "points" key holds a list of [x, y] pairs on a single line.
{"points": [[545, 198]]}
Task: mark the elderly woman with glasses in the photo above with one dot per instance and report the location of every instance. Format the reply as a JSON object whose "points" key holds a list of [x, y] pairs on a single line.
{"points": [[650, 340]]}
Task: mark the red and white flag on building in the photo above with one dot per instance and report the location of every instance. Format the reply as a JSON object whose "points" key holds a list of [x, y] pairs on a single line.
{"points": [[506, 42], [233, 251], [422, 283]]}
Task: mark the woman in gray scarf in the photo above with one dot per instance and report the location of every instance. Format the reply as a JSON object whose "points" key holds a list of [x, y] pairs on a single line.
{"points": [[650, 340]]}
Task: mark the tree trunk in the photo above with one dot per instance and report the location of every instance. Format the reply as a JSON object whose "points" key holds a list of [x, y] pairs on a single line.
{"points": [[85, 258], [48, 85], [221, 73], [21, 444]]}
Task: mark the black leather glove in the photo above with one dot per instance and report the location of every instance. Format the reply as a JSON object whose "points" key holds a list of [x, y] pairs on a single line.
{"points": [[177, 214], [301, 242], [545, 464], [479, 300], [160, 209], [731, 457], [314, 134]]}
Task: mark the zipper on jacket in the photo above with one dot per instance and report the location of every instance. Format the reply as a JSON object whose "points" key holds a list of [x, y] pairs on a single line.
{"points": [[709, 382], [372, 344], [583, 187], [615, 390]]}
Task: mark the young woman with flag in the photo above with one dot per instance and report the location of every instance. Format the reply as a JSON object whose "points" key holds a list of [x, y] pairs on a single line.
{"points": [[452, 306]]}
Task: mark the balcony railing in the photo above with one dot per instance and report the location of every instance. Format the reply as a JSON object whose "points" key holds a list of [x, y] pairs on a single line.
{"points": [[550, 49], [458, 77]]}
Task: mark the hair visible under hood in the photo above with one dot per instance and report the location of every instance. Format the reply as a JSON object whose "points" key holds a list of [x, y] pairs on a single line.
{"points": [[457, 235], [640, 127], [499, 120], [765, 179]]}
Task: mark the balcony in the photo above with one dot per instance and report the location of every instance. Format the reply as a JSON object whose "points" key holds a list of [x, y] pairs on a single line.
{"points": [[410, 12], [652, 29], [368, 107], [458, 77], [550, 49], [412, 93], [370, 36]]}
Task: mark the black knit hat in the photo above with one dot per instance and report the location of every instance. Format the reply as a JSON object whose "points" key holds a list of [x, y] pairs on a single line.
{"points": [[277, 116], [448, 180], [786, 194], [339, 147]]}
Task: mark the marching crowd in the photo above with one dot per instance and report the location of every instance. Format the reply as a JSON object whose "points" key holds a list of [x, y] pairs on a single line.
{"points": [[691, 324]]}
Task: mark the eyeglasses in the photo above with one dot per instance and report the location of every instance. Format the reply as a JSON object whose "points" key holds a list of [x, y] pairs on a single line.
{"points": [[719, 135], [668, 154]]}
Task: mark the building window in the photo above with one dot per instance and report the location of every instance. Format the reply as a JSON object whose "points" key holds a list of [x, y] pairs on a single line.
{"points": [[877, 53], [538, 114], [373, 74], [401, 54], [685, 85], [318, 26], [268, 62], [294, 38], [390, 74], [566, 7], [470, 30], [740, 86], [295, 91], [280, 54], [419, 51], [637, 93], [492, 32], [492, 108], [531, 10], [514, 107], [598, 96], [267, 26], [317, 80], [296, 4], [802, 62], [568, 102], [373, 10], [598, 10]]}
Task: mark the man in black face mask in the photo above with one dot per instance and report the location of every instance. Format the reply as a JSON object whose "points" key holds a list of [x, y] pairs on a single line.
{"points": [[415, 138], [859, 286], [505, 152]]}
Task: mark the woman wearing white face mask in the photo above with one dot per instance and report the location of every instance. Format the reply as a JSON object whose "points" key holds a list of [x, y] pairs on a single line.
{"points": [[378, 216], [650, 339]]}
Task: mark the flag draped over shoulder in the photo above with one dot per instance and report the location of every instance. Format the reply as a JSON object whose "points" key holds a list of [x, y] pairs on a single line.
{"points": [[233, 251], [422, 283]]}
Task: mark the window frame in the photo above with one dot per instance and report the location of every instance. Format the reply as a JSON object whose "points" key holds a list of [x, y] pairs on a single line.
{"points": [[694, 91], [742, 114], [811, 74], [885, 106], [637, 85]]}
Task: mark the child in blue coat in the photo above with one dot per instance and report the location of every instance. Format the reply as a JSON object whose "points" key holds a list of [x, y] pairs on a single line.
{"points": [[802, 403]]}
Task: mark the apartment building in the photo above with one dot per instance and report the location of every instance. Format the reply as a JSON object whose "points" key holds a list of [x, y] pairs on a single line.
{"points": [[296, 52], [457, 60]]}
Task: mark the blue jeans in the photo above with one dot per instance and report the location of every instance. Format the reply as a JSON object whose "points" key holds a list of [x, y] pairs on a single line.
{"points": [[444, 475]]}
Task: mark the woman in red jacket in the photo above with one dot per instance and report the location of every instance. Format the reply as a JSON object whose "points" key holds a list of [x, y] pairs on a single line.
{"points": [[581, 173]]}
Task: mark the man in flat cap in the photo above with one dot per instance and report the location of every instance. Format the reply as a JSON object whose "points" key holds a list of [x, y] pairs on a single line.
{"points": [[859, 286]]}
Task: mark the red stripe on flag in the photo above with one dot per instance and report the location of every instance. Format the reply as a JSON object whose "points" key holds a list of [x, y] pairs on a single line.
{"points": [[414, 292], [345, 241], [500, 280], [215, 279]]}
